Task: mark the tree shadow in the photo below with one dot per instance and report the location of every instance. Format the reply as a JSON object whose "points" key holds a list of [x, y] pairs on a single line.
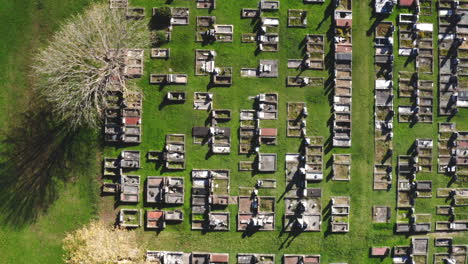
{"points": [[158, 23], [38, 155], [328, 13]]}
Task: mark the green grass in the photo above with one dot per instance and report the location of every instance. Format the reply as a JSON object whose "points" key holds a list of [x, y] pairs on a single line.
{"points": [[26, 25]]}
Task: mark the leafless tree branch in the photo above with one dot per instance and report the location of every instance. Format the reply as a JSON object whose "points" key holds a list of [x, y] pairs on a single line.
{"points": [[84, 61]]}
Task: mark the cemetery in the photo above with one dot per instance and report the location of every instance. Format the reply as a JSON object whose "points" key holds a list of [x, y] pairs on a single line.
{"points": [[279, 151], [235, 131]]}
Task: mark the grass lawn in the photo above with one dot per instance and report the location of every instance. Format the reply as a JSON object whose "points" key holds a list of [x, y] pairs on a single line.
{"points": [[25, 27]]}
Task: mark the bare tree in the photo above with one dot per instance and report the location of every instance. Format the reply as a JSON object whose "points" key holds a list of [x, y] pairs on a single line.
{"points": [[84, 61], [97, 243]]}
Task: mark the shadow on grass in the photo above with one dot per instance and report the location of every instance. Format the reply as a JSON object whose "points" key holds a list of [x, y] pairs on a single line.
{"points": [[165, 102], [158, 23], [328, 13], [37, 157], [293, 233], [329, 86]]}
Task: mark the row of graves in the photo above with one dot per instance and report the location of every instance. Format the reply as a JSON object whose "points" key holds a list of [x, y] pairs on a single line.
{"points": [[453, 56], [117, 4], [452, 254], [342, 100], [210, 198], [172, 157], [218, 138], [341, 167], [454, 213], [180, 16], [340, 209], [453, 151], [409, 188], [251, 135], [421, 92], [267, 34], [384, 112], [205, 65], [208, 31], [206, 4], [131, 12], [416, 42], [418, 251], [173, 257], [122, 119], [422, 7], [296, 124], [169, 79], [160, 191], [265, 69], [303, 211], [307, 165], [453, 161], [303, 205], [126, 187], [164, 191], [314, 49]]}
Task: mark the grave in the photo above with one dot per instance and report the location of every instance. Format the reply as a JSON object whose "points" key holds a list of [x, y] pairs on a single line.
{"points": [[135, 12], [381, 214], [130, 188], [267, 162], [341, 167], [202, 101], [243, 258], [130, 218], [298, 259], [160, 53], [268, 69]]}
